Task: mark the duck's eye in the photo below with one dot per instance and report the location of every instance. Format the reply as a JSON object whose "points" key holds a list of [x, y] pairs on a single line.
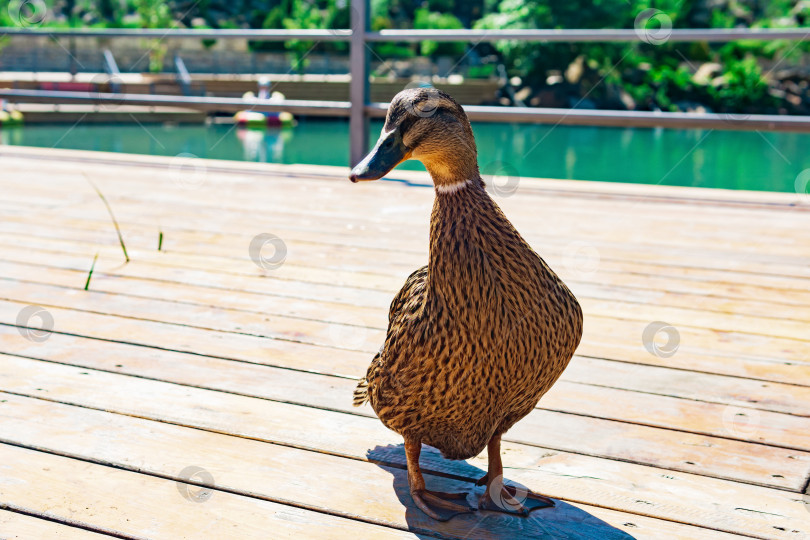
{"points": [[388, 143]]}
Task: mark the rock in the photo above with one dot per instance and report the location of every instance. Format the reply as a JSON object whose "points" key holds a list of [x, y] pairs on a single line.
{"points": [[627, 100], [706, 71], [791, 87], [575, 70], [523, 94]]}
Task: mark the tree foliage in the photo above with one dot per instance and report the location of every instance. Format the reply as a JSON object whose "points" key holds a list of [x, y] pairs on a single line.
{"points": [[731, 76]]}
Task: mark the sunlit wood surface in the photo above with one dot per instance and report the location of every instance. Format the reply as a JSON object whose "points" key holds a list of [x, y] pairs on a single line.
{"points": [[194, 366]]}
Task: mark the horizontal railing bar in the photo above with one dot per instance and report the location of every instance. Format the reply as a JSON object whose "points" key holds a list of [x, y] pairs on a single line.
{"points": [[108, 100], [184, 33], [597, 35], [616, 118], [476, 113], [568, 35]]}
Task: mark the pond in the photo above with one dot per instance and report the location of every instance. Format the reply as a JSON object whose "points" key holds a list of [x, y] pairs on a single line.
{"points": [[762, 161]]}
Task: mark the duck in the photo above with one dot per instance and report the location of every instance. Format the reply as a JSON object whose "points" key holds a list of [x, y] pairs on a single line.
{"points": [[478, 335]]}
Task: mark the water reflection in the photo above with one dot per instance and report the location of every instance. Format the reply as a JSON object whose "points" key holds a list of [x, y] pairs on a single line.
{"points": [[263, 145], [706, 158]]}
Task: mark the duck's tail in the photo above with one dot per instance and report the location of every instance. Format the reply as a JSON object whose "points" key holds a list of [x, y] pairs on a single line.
{"points": [[360, 393]]}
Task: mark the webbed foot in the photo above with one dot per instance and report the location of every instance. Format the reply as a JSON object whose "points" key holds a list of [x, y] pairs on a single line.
{"points": [[440, 505], [512, 500]]}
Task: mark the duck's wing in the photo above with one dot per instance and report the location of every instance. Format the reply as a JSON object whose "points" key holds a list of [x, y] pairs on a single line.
{"points": [[412, 290], [404, 303]]}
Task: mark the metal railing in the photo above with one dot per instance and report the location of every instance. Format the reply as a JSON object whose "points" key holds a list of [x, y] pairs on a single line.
{"points": [[359, 109]]}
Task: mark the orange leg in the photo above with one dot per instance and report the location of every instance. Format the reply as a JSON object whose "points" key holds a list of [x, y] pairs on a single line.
{"points": [[501, 498], [435, 504]]}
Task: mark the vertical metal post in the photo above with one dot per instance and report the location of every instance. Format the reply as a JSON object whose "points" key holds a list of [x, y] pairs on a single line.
{"points": [[182, 75], [358, 88], [111, 67]]}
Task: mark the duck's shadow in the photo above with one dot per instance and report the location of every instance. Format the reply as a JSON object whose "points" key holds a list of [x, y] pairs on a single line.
{"points": [[564, 521]]}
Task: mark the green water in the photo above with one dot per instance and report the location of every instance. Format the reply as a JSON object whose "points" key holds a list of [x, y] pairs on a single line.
{"points": [[703, 158]]}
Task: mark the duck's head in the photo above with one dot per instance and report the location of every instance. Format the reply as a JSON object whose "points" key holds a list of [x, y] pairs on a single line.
{"points": [[425, 124]]}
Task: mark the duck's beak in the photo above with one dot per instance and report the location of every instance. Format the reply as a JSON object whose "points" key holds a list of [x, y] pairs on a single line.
{"points": [[389, 152]]}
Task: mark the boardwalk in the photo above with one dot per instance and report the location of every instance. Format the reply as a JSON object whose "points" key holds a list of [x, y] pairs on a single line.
{"points": [[195, 366]]}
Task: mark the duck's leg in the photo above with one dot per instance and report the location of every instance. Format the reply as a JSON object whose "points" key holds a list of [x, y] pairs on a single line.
{"points": [[436, 504], [501, 498]]}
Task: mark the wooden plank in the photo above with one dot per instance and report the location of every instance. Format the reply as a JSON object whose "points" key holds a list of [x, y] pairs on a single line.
{"points": [[631, 311], [411, 236], [91, 495], [67, 175], [16, 526], [679, 451], [735, 420], [696, 417], [320, 332], [552, 248], [275, 473], [770, 304], [617, 292], [243, 265], [359, 342], [200, 369], [128, 179], [605, 337], [253, 290], [311, 267], [652, 492], [752, 261], [786, 398]]}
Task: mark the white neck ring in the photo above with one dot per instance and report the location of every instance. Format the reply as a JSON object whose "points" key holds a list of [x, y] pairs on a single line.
{"points": [[452, 188]]}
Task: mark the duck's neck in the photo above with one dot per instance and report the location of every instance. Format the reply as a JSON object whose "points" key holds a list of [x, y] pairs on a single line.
{"points": [[460, 209]]}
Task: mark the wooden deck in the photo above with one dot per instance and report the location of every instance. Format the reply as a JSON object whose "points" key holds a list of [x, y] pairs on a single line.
{"points": [[193, 366]]}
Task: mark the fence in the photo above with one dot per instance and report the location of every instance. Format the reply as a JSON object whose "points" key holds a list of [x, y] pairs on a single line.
{"points": [[359, 109]]}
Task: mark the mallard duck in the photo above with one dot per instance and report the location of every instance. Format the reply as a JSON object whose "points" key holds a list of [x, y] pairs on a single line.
{"points": [[476, 337]]}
